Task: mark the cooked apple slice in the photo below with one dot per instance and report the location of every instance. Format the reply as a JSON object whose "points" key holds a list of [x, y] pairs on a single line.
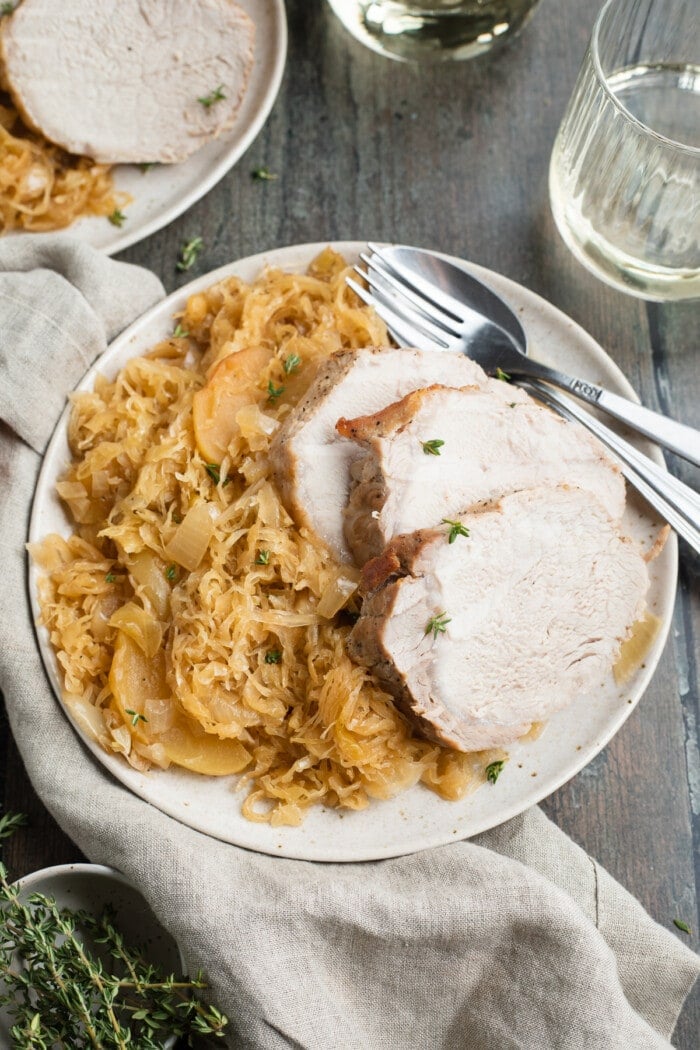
{"points": [[204, 753], [134, 680], [234, 383]]}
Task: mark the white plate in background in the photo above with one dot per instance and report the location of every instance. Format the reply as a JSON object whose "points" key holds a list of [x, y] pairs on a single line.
{"points": [[165, 191], [416, 819]]}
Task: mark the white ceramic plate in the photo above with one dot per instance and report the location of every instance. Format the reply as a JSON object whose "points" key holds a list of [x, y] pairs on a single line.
{"points": [[165, 191], [416, 819]]}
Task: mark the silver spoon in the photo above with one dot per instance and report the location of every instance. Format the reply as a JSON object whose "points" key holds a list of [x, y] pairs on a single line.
{"points": [[433, 304]]}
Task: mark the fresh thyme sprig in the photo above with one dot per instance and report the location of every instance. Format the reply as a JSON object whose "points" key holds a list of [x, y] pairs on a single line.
{"points": [[117, 217], [432, 447], [273, 392], [69, 980], [291, 363]]}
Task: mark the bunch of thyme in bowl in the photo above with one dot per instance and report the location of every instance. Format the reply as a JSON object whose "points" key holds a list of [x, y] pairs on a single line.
{"points": [[69, 980]]}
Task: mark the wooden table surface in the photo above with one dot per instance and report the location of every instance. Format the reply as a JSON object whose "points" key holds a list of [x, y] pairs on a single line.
{"points": [[455, 158]]}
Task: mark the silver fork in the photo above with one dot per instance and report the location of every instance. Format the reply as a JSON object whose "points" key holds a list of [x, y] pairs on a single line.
{"points": [[427, 300], [677, 503]]}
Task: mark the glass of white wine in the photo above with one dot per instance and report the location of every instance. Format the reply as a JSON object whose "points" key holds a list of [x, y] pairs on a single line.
{"points": [[433, 30], [624, 177]]}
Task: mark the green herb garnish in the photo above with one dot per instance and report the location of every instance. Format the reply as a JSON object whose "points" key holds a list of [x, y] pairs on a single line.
{"points": [[262, 558], [110, 577], [214, 472], [180, 332], [291, 363], [494, 770], [432, 447], [10, 822], [6, 9], [437, 624], [500, 374], [274, 656], [135, 717], [683, 926], [273, 392], [171, 571], [263, 175], [147, 165], [456, 529], [188, 254], [214, 96], [117, 218], [61, 993]]}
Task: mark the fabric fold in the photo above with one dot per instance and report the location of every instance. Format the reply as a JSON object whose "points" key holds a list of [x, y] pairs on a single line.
{"points": [[514, 939]]}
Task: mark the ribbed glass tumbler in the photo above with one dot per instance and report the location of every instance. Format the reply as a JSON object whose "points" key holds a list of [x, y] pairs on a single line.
{"points": [[624, 176]]}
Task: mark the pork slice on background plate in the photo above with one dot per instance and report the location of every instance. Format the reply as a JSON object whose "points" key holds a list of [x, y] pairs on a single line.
{"points": [[482, 636], [128, 81], [312, 462], [440, 449]]}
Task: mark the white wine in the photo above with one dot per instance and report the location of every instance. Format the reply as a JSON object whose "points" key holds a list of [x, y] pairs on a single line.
{"points": [[433, 29], [625, 178]]}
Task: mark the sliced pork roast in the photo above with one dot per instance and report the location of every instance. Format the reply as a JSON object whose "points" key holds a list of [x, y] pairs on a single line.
{"points": [[312, 462], [128, 80], [439, 450], [479, 637]]}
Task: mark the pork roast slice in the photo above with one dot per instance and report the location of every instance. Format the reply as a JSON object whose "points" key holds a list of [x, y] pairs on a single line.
{"points": [[480, 637], [120, 80], [312, 463], [496, 439]]}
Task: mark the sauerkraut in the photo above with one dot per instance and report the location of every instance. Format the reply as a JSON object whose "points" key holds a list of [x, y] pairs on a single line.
{"points": [[44, 188], [193, 622]]}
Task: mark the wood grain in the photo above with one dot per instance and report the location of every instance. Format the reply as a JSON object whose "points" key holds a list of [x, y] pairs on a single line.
{"points": [[455, 157]]}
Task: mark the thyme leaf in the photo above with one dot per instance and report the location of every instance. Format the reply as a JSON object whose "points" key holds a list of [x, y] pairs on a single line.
{"points": [[291, 363], [171, 571], [500, 374], [180, 332], [135, 716], [214, 96], [117, 217], [188, 254], [110, 577], [683, 926], [263, 175], [437, 624], [273, 392], [432, 447], [456, 529], [494, 770], [274, 656], [9, 823], [262, 558]]}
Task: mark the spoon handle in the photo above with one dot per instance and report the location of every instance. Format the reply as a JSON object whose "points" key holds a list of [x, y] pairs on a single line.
{"points": [[676, 502], [679, 438]]}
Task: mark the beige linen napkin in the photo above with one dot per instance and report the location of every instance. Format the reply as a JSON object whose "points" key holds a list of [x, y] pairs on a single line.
{"points": [[516, 939]]}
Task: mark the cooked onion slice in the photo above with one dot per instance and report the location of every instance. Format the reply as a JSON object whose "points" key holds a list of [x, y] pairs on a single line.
{"points": [[143, 628], [192, 537]]}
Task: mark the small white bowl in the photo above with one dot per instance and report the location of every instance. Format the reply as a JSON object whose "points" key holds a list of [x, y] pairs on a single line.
{"points": [[91, 887]]}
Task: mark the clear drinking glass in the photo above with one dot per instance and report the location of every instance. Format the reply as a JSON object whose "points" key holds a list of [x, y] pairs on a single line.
{"points": [[433, 30], [624, 178]]}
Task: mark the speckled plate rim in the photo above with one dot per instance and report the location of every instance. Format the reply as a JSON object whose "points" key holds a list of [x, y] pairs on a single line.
{"points": [[166, 191], [417, 819]]}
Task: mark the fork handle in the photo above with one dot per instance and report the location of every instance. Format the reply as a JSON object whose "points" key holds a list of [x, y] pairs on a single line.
{"points": [[676, 502], [679, 438]]}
